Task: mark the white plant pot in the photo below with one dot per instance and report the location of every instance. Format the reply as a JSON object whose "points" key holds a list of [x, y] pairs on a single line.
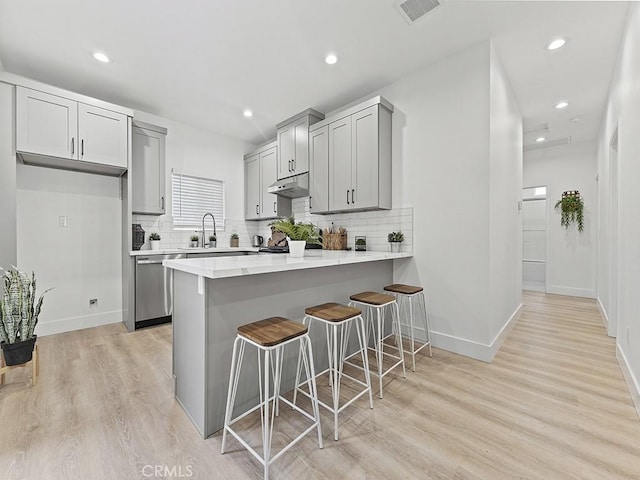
{"points": [[212, 244], [296, 248], [155, 244], [395, 247]]}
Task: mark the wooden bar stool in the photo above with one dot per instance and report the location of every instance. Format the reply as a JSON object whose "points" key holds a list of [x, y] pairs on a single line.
{"points": [[380, 302], [405, 295], [270, 336], [338, 320]]}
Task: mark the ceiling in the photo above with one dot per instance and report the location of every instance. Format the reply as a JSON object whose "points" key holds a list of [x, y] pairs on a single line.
{"points": [[204, 62]]}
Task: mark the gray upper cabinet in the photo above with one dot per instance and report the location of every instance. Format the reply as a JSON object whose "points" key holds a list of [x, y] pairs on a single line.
{"points": [[359, 158], [148, 167], [260, 172], [293, 143], [319, 170], [64, 133]]}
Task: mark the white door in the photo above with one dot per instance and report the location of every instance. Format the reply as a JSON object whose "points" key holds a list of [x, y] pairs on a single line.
{"points": [[46, 124], [269, 166], [614, 267], [364, 159], [103, 136], [340, 164], [319, 170], [286, 151], [252, 188]]}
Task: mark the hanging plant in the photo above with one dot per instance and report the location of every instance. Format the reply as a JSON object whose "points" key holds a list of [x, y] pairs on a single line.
{"points": [[571, 209]]}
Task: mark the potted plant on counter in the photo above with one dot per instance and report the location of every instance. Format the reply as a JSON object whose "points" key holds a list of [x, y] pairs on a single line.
{"points": [[154, 241], [298, 234], [18, 316], [194, 241], [395, 239], [234, 240], [212, 241]]}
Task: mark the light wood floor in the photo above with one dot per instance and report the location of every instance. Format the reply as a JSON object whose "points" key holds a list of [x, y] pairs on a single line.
{"points": [[552, 405]]}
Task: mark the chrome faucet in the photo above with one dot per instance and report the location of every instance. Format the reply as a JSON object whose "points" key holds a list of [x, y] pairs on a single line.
{"points": [[214, 227]]}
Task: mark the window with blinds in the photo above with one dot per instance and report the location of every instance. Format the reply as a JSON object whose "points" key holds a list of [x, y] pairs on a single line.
{"points": [[192, 197]]}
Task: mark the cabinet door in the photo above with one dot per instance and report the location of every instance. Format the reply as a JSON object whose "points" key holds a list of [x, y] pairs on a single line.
{"points": [[269, 166], [148, 172], [46, 124], [252, 188], [301, 146], [286, 151], [319, 170], [340, 164], [103, 136], [364, 159]]}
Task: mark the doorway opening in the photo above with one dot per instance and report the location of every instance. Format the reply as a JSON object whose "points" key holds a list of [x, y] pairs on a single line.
{"points": [[534, 238]]}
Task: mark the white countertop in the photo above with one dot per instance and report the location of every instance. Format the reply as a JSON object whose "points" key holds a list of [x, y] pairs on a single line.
{"points": [[224, 267], [165, 251]]}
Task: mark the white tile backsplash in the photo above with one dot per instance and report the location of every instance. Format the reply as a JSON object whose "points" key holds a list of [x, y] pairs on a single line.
{"points": [[374, 225]]}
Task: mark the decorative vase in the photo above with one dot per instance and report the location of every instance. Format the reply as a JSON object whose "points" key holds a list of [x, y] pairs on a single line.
{"points": [[212, 244], [193, 243], [19, 352], [395, 247], [235, 242], [155, 244], [296, 248]]}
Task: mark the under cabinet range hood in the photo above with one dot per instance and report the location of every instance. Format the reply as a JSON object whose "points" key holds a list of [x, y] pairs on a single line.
{"points": [[292, 187]]}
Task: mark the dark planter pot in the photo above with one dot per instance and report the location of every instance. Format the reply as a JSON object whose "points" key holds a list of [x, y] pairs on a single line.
{"points": [[18, 353]]}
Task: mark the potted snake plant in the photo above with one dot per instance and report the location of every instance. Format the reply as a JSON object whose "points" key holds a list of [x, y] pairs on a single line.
{"points": [[19, 313], [298, 234]]}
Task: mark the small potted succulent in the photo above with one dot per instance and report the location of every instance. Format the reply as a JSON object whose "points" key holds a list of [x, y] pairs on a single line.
{"points": [[395, 239], [234, 241], [361, 244], [212, 241], [154, 241], [19, 312], [194, 241]]}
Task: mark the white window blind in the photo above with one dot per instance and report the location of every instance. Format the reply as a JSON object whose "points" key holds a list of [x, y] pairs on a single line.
{"points": [[195, 196]]}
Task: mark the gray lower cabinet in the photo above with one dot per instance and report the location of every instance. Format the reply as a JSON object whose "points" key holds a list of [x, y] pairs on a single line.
{"points": [[148, 169], [261, 171]]}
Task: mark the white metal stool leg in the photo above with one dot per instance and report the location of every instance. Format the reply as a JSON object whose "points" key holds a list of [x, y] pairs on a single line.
{"points": [[427, 327]]}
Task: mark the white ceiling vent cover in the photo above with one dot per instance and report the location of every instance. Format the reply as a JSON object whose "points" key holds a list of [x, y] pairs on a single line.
{"points": [[412, 10]]}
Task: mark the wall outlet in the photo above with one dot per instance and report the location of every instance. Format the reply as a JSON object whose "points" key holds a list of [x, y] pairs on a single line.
{"points": [[62, 221], [93, 302]]}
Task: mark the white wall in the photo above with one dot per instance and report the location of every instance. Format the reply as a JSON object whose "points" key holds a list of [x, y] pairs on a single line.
{"points": [[623, 111], [443, 168], [83, 260], [571, 261], [505, 191], [8, 254], [193, 151]]}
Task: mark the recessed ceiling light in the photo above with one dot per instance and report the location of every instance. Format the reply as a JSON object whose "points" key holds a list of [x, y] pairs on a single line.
{"points": [[331, 59], [248, 113], [557, 43], [561, 105], [541, 139], [575, 119], [101, 57]]}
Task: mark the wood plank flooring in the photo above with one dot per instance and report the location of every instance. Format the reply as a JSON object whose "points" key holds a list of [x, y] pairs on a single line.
{"points": [[552, 405]]}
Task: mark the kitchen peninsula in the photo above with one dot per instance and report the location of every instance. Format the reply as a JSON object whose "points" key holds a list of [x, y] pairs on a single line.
{"points": [[213, 296]]}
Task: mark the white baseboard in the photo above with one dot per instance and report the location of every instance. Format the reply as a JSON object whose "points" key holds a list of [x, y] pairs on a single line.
{"points": [[77, 323], [571, 292], [605, 317], [469, 348], [630, 379]]}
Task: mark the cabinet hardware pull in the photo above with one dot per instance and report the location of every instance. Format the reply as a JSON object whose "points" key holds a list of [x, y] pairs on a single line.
{"points": [[289, 163], [73, 146], [82, 147], [257, 209], [293, 164], [274, 208], [162, 203], [310, 197], [353, 195], [347, 197]]}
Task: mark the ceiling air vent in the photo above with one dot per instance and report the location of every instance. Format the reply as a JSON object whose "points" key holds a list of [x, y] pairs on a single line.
{"points": [[412, 10], [549, 144]]}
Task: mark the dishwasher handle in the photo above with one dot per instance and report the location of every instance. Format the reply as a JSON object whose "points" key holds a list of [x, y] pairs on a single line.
{"points": [[146, 261]]}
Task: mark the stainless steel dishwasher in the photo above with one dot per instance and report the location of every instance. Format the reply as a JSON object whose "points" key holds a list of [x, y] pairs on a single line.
{"points": [[154, 290]]}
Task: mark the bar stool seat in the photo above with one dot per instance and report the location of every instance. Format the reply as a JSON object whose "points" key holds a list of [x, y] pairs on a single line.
{"points": [[405, 294], [379, 302], [338, 319], [270, 336]]}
